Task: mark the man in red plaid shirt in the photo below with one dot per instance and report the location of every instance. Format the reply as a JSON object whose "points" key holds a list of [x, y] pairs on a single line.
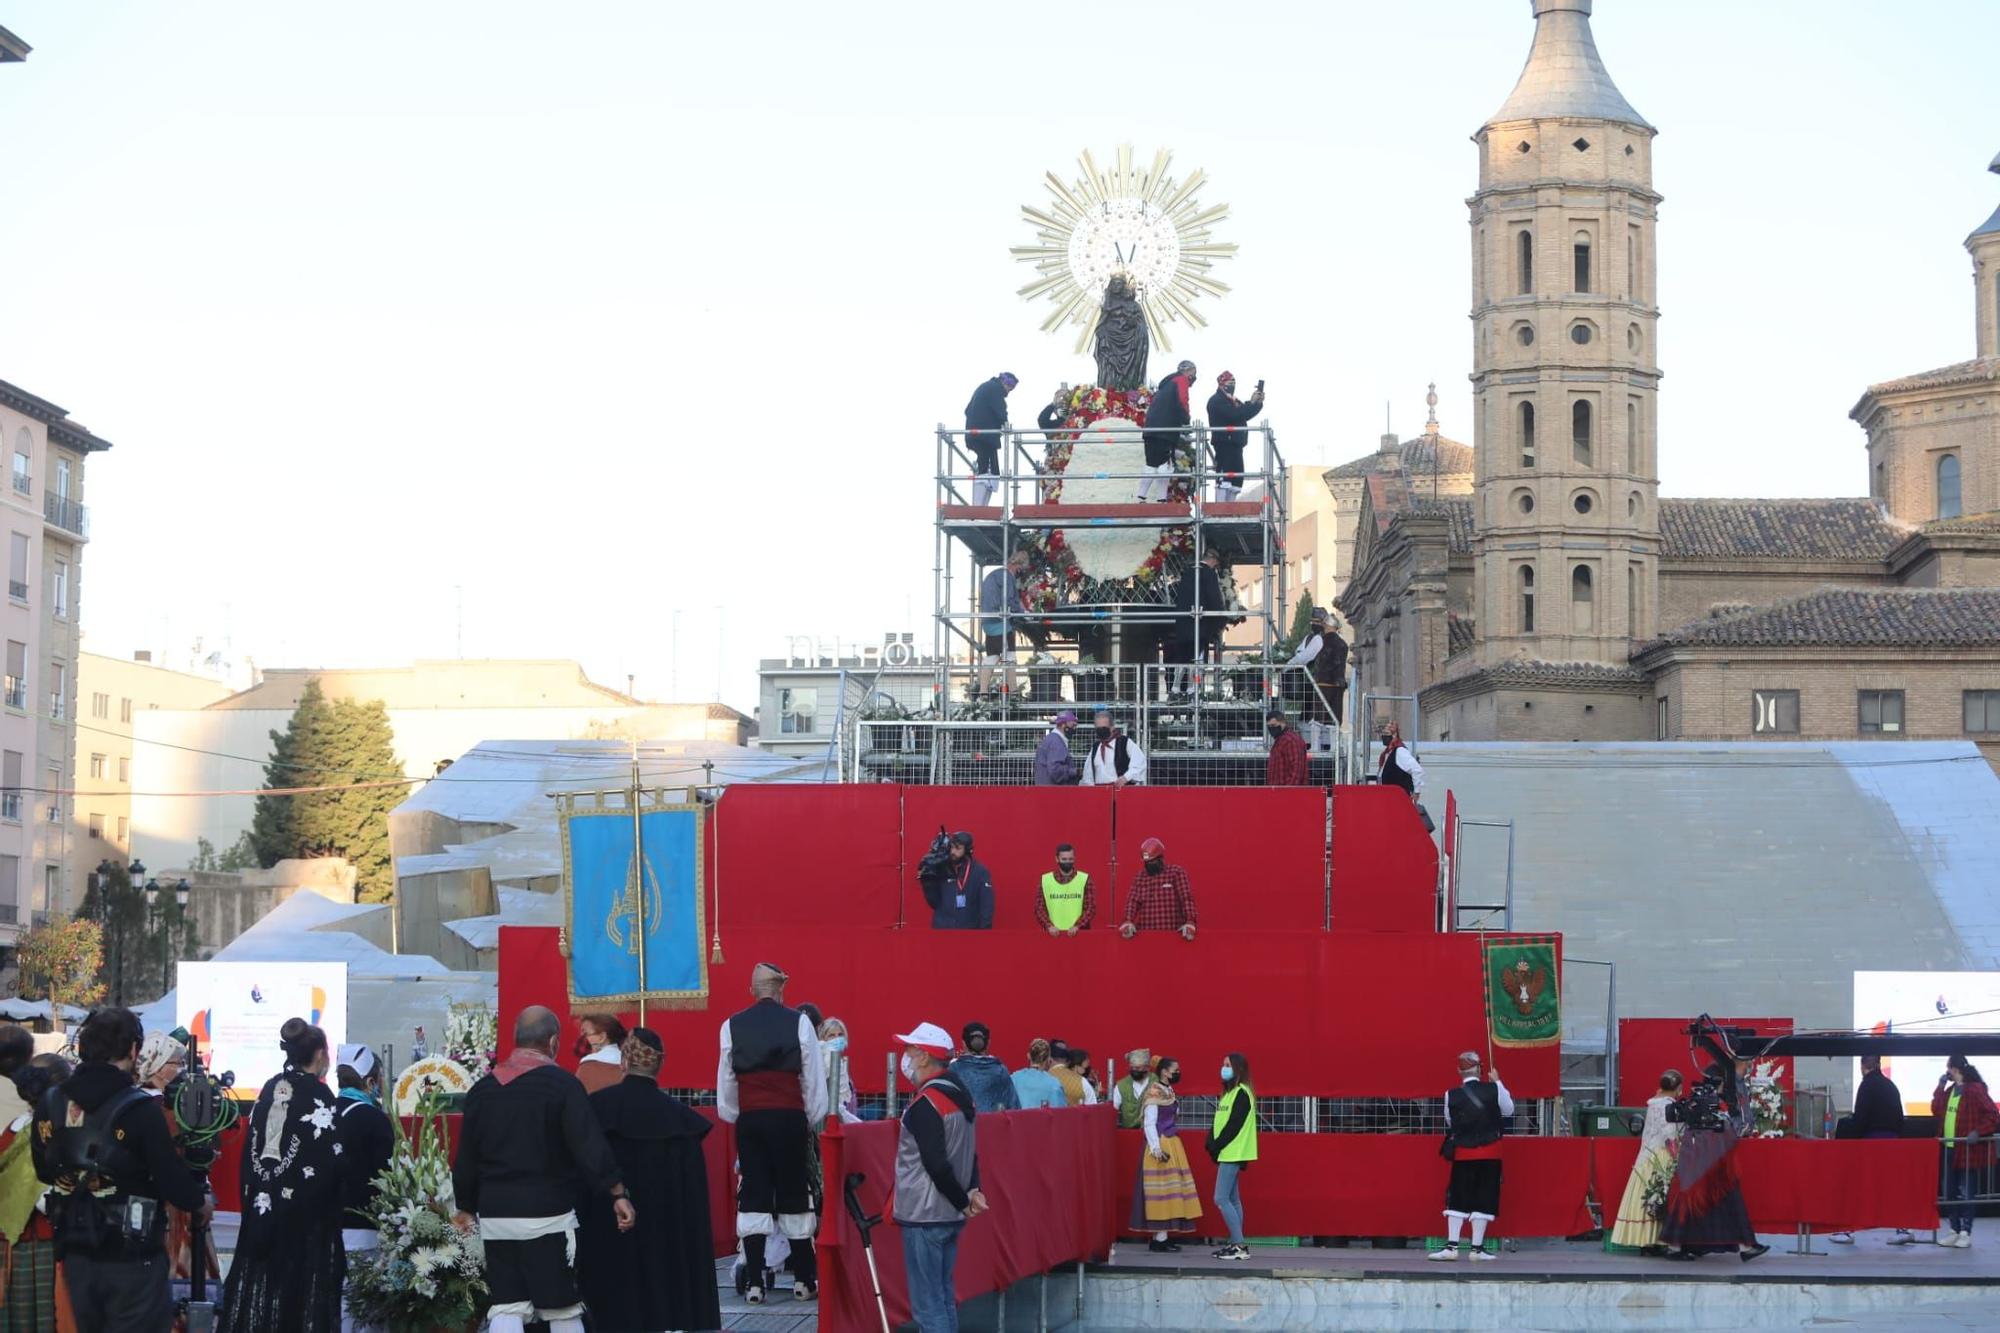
{"points": [[1288, 764], [1162, 898]]}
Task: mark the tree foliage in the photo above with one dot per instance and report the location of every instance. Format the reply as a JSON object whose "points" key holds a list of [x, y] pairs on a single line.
{"points": [[341, 745], [60, 961], [139, 941], [242, 855], [1302, 628]]}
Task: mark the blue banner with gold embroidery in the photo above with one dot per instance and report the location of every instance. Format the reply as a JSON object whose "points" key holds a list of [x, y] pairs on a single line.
{"points": [[623, 907]]}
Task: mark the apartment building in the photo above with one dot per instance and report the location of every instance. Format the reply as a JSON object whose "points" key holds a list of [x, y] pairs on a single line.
{"points": [[46, 528], [110, 693]]}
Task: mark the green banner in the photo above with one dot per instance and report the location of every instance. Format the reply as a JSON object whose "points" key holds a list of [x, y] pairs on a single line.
{"points": [[1523, 991]]}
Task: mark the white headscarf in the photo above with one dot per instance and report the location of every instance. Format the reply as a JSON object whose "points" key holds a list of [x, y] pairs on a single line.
{"points": [[159, 1051]]}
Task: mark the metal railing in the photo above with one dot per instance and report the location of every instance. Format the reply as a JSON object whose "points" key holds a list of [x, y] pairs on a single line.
{"points": [[16, 693], [1198, 725], [17, 590], [66, 514], [23, 483]]}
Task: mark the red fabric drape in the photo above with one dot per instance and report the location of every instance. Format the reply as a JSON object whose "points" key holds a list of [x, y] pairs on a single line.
{"points": [[1318, 1014], [1256, 855], [1384, 865], [1827, 1184], [1647, 1047], [1377, 1185], [1049, 1176], [1014, 835]]}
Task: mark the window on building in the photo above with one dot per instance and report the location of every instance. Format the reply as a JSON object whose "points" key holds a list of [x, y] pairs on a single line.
{"points": [[97, 766], [1527, 434], [124, 831], [24, 478], [1947, 486], [124, 710], [100, 705], [1524, 263], [1582, 600], [797, 711], [1633, 454], [51, 894], [1881, 711], [1982, 710], [59, 589], [1632, 608], [58, 691], [52, 785], [17, 675], [10, 888], [17, 567], [62, 477], [97, 824], [1632, 264], [10, 786], [1524, 578], [1774, 712], [124, 768], [1662, 719], [1579, 430], [1582, 253], [1306, 574]]}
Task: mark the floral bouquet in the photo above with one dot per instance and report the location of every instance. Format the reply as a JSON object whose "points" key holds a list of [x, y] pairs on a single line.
{"points": [[427, 1275], [471, 1038], [1767, 1100], [1654, 1200]]}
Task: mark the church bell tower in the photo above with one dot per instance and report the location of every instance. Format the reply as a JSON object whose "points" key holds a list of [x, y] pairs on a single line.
{"points": [[1565, 361]]}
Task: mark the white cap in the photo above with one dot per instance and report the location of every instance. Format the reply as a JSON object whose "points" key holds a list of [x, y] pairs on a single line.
{"points": [[358, 1058], [929, 1037]]}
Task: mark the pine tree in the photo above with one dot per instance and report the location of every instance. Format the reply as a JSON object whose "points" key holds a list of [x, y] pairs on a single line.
{"points": [[1302, 628], [344, 746]]}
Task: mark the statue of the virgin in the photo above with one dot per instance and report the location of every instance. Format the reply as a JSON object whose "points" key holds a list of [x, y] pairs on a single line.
{"points": [[1121, 337]]}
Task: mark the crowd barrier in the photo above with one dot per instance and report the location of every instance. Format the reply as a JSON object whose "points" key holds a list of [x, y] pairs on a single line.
{"points": [[1318, 1015], [847, 855]]}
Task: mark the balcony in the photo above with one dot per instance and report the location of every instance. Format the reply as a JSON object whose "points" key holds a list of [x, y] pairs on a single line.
{"points": [[62, 512]]}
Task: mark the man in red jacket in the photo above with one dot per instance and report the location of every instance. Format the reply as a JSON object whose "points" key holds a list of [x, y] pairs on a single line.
{"points": [[1288, 764]]}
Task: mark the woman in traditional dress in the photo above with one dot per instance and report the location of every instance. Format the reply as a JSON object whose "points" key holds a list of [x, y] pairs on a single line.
{"points": [[289, 1266], [162, 1059], [1165, 1200], [1705, 1209], [1638, 1228], [597, 1047], [32, 1299]]}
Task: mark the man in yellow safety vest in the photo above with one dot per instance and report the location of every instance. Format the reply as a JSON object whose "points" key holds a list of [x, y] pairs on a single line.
{"points": [[1067, 903]]}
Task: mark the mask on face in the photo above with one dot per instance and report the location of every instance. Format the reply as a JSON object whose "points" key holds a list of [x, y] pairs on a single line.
{"points": [[1174, 1078], [1228, 1073], [909, 1067], [836, 1044], [1066, 866], [1154, 865], [1103, 731]]}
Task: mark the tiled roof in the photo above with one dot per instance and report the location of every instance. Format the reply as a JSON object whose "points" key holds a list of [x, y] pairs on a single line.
{"points": [[1977, 523], [1457, 514], [1777, 530], [1565, 78], [1414, 458], [1860, 618], [1460, 635], [1965, 372]]}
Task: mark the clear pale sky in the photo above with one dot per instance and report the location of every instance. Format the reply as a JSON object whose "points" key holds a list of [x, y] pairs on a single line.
{"points": [[596, 312]]}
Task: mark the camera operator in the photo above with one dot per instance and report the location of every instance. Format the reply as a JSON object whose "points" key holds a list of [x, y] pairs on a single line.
{"points": [[1705, 1210], [1227, 416], [102, 1147]]}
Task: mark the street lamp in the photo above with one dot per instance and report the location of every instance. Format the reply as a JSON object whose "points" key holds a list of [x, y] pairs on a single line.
{"points": [[157, 909]]}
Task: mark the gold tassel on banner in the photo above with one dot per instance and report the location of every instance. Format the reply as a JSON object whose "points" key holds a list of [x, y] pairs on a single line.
{"points": [[715, 949]]}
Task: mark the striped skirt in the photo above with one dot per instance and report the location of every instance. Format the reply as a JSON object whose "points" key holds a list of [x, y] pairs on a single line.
{"points": [[1166, 1199]]}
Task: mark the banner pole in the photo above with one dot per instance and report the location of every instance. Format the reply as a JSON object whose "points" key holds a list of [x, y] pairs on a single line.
{"points": [[639, 882]]}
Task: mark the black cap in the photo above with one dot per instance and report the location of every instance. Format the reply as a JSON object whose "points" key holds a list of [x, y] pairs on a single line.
{"points": [[966, 1033]]}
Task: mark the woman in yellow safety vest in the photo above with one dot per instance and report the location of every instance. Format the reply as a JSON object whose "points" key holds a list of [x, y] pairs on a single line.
{"points": [[1233, 1145]]}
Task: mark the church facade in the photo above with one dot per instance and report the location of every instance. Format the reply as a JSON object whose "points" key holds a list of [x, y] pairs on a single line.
{"points": [[1555, 595]]}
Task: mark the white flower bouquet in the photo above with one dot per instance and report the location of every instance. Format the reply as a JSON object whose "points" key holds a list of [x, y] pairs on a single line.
{"points": [[471, 1037], [426, 1276]]}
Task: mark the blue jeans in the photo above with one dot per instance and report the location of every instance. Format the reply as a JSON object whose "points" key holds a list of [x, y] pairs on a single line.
{"points": [[930, 1253], [1958, 1184], [1229, 1198]]}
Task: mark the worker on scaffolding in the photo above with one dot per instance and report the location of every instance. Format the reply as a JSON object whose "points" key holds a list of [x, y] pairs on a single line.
{"points": [[1227, 416], [999, 602], [985, 419]]}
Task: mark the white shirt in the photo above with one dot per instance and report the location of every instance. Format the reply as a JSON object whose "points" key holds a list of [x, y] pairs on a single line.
{"points": [[1100, 763], [1506, 1098], [812, 1077], [1408, 763], [1308, 650]]}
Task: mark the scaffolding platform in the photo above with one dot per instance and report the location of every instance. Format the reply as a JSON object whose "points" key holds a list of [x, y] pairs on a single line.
{"points": [[1235, 529]]}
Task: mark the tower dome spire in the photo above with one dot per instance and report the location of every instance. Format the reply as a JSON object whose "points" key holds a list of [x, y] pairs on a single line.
{"points": [[1565, 78], [1992, 224]]}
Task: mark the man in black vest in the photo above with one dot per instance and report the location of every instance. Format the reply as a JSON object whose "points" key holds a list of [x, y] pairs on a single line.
{"points": [[1399, 766], [102, 1146], [1114, 759], [1475, 1117], [771, 1085], [1169, 409]]}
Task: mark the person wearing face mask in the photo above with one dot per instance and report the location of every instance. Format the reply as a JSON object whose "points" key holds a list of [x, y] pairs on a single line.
{"points": [[1054, 766], [1067, 903], [529, 1149], [1115, 759], [1128, 1094], [958, 888], [1399, 767], [839, 1081], [1967, 1122], [1165, 1201], [290, 1267], [983, 1075], [1288, 764], [1232, 1145], [1162, 896], [1227, 416], [937, 1176]]}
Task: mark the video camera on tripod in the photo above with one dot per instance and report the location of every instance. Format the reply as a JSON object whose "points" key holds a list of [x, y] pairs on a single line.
{"points": [[204, 1112]]}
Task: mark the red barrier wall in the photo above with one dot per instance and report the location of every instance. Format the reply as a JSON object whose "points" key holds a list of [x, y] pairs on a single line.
{"points": [[1384, 865], [1340, 1015], [811, 855], [1647, 1047], [1049, 1176], [1826, 1184], [1256, 855], [1014, 835]]}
